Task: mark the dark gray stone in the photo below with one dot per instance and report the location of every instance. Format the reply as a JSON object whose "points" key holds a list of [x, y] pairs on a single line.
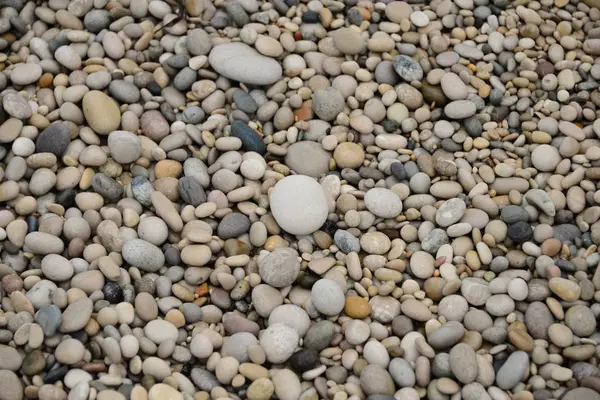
{"points": [[407, 68], [233, 225], [191, 191], [107, 187], [319, 335], [513, 214], [96, 20], [124, 91], [304, 360], [251, 140], [244, 102], [346, 241], [184, 79], [237, 13], [520, 232], [54, 139]]}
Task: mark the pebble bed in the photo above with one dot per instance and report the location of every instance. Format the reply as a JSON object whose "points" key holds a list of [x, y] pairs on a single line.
{"points": [[301, 200]]}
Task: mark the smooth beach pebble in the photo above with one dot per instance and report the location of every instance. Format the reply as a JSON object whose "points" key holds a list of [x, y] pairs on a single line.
{"points": [[299, 204]]}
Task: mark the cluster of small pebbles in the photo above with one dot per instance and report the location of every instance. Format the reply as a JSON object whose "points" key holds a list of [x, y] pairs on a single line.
{"points": [[299, 199]]}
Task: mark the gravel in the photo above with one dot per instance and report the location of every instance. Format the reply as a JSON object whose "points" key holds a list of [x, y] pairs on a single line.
{"points": [[299, 200]]}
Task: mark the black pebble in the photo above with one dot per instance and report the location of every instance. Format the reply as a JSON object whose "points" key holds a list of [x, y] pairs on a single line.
{"points": [[154, 88], [330, 227], [32, 224], [66, 198], [310, 17], [520, 232], [56, 374], [304, 360], [112, 292], [306, 281], [390, 125]]}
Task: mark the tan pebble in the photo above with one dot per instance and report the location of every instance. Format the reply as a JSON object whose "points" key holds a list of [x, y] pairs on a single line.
{"points": [[168, 168], [161, 391], [253, 371], [260, 389], [348, 155], [176, 318]]}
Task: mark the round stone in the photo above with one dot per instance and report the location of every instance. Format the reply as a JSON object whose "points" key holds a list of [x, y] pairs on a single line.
{"points": [[279, 342], [545, 158], [299, 205], [383, 202], [280, 268], [328, 103], [327, 297]]}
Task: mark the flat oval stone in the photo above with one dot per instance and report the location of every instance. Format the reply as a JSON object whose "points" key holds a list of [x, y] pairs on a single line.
{"points": [[101, 112], [25, 74], [143, 255], [242, 63]]}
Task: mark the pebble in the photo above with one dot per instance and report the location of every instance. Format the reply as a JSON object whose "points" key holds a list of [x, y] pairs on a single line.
{"points": [[321, 200], [327, 297], [279, 342], [407, 68], [512, 370], [299, 204], [240, 62], [143, 255], [299, 152], [101, 112], [383, 203], [280, 268], [54, 139]]}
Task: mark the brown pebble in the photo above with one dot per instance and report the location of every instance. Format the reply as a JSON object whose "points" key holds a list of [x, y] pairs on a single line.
{"points": [[357, 307]]}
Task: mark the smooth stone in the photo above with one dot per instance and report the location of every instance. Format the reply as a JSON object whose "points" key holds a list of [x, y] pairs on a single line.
{"points": [[512, 370], [346, 241], [463, 362], [251, 140], [299, 205], [25, 74], [233, 225], [54, 139], [240, 62], [280, 268], [143, 255], [460, 109], [77, 315], [374, 379], [327, 297], [160, 330], [279, 341], [125, 147], [327, 103], [402, 373], [191, 191], [101, 112], [299, 152], [11, 388], [383, 202]]}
